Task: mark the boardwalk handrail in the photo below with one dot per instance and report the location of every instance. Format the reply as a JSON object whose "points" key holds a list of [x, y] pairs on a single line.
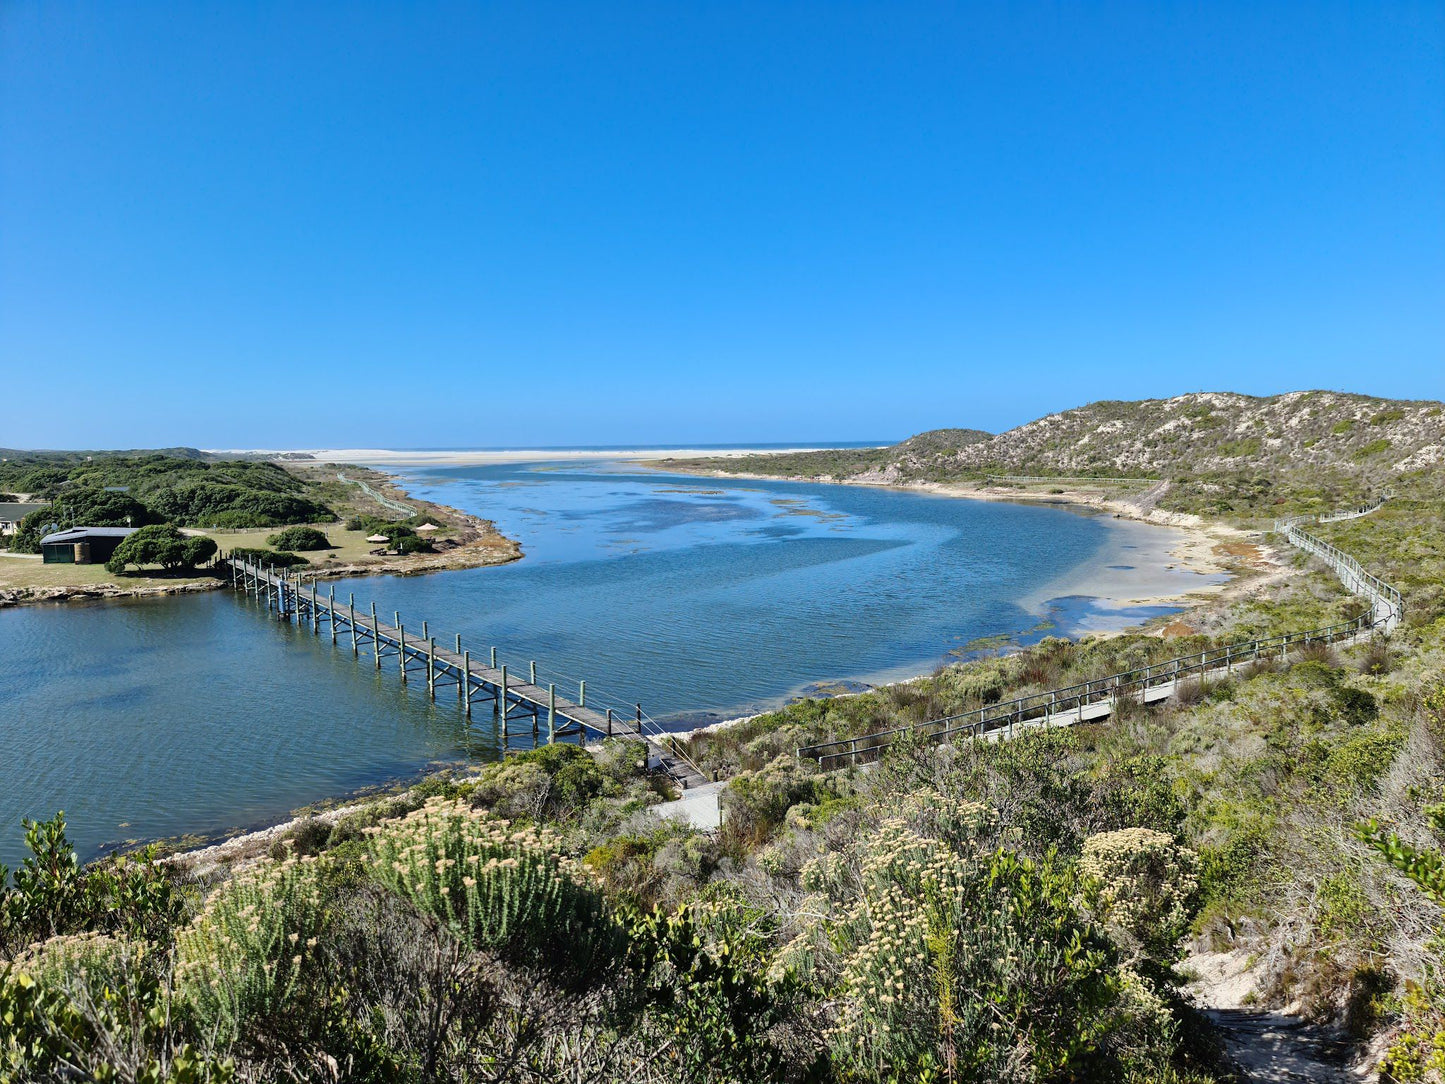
{"points": [[1385, 613], [384, 501]]}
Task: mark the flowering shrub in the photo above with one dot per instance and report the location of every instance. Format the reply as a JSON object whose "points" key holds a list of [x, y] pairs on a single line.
{"points": [[253, 945], [946, 957], [494, 886], [89, 962], [1141, 886]]}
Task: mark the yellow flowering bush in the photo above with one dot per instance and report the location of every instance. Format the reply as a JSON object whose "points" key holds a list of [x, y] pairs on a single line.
{"points": [[1141, 884], [943, 956], [91, 961], [249, 950], [494, 886]]}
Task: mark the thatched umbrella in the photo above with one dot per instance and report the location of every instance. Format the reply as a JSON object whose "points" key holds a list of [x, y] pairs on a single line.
{"points": [[428, 528], [377, 538]]}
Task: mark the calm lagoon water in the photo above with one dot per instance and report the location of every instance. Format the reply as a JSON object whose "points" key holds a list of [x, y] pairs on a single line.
{"points": [[700, 598]]}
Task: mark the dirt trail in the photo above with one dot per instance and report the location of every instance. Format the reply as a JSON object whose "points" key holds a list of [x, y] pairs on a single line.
{"points": [[1269, 1047]]}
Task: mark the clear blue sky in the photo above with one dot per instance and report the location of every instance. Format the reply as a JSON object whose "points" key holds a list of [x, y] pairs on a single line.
{"points": [[300, 224]]}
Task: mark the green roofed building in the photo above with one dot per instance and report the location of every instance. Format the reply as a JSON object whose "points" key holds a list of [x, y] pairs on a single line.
{"points": [[83, 545]]}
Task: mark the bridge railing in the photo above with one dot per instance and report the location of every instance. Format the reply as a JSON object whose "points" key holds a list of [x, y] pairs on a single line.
{"points": [[1385, 611]]}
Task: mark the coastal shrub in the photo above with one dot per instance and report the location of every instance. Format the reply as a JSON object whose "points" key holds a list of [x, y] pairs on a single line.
{"points": [[299, 538], [496, 887], [1137, 793], [53, 895], [250, 952], [549, 782], [90, 507], [1140, 887], [705, 1001], [1355, 706], [412, 544], [226, 504], [754, 803], [82, 965], [951, 960], [111, 1031], [269, 558]]}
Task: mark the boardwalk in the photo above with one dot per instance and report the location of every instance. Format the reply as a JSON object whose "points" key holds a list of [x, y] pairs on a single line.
{"points": [[1090, 701], [514, 697]]}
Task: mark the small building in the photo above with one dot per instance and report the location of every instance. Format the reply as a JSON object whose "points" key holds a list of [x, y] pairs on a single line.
{"points": [[83, 545], [11, 514]]}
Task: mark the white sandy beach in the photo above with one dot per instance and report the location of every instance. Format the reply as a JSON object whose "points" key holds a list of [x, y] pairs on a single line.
{"points": [[390, 457]]}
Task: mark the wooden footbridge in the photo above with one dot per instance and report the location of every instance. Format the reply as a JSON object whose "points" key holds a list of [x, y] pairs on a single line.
{"points": [[514, 697]]}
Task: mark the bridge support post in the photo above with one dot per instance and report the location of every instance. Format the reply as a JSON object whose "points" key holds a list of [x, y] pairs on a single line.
{"points": [[532, 678], [401, 651], [467, 683], [375, 636], [431, 668], [331, 613], [315, 612], [351, 620], [582, 694], [494, 658], [609, 722], [551, 713], [502, 699]]}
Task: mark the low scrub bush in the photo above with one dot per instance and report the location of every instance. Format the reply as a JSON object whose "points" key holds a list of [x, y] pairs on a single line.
{"points": [[299, 538], [269, 558]]}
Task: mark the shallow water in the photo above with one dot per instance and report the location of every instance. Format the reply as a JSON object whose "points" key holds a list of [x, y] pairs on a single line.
{"points": [[698, 598]]}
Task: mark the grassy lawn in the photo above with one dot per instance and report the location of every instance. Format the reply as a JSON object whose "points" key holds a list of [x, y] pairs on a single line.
{"points": [[350, 546], [22, 572]]}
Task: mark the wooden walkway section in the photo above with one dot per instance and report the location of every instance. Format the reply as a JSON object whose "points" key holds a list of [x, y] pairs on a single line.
{"points": [[513, 697]]}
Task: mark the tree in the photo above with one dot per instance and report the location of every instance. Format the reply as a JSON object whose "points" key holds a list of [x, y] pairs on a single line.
{"points": [[197, 550], [160, 544]]}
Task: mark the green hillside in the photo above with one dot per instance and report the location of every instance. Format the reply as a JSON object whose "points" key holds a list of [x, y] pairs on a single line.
{"points": [[1222, 453]]}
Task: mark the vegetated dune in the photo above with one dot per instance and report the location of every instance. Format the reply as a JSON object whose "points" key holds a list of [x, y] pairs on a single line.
{"points": [[1223, 451]]}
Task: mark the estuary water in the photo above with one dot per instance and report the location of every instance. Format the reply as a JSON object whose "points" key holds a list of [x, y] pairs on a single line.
{"points": [[698, 598]]}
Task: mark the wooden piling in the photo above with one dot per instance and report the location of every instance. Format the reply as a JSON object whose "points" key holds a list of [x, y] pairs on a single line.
{"points": [[401, 651], [467, 682], [551, 713], [375, 636], [431, 666], [502, 699]]}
